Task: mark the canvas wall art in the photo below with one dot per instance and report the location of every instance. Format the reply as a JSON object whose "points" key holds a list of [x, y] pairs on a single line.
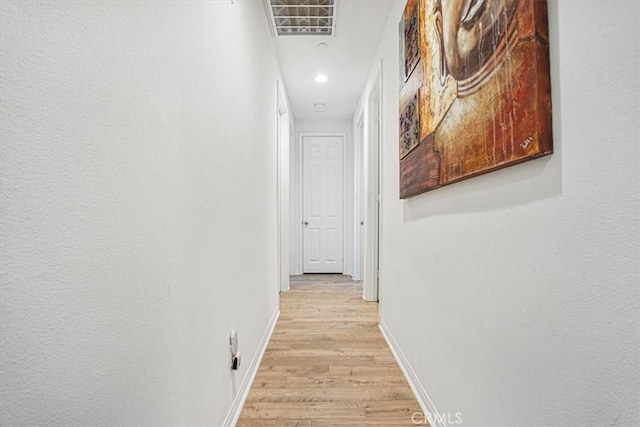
{"points": [[476, 96]]}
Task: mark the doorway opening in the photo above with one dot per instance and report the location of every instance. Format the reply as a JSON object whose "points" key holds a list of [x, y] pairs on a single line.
{"points": [[358, 196], [372, 190]]}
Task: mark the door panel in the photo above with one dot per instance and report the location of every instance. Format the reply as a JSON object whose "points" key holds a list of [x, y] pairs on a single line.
{"points": [[322, 203]]}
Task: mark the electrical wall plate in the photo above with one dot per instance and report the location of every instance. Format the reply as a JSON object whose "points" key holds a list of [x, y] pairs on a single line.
{"points": [[233, 342]]}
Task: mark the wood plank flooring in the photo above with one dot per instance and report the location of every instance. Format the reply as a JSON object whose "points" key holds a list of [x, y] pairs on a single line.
{"points": [[327, 363]]}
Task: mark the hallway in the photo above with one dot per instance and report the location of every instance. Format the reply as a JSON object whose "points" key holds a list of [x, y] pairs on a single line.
{"points": [[156, 158], [327, 363]]}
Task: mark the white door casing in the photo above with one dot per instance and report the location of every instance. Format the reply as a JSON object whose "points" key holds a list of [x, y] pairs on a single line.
{"points": [[282, 190], [322, 204], [358, 192], [372, 191]]}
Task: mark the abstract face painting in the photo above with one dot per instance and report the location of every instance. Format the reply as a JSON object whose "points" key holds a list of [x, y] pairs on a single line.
{"points": [[483, 88], [470, 32]]}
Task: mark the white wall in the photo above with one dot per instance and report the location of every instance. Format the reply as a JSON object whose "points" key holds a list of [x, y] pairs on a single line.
{"points": [[303, 126], [138, 208], [514, 295]]}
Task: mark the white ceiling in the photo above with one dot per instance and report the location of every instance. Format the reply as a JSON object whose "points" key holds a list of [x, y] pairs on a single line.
{"points": [[346, 60]]}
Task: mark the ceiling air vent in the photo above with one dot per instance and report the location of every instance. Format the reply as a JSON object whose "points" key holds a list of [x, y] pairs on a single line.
{"points": [[303, 17]]}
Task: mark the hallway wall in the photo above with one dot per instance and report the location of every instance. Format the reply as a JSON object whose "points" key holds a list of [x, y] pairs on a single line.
{"points": [[319, 126], [514, 296], [134, 198]]}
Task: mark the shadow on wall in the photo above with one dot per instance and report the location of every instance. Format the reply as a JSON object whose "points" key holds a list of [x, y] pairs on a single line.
{"points": [[513, 186]]}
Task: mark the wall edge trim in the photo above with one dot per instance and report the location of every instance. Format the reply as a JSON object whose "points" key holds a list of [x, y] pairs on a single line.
{"points": [[238, 402], [416, 386]]}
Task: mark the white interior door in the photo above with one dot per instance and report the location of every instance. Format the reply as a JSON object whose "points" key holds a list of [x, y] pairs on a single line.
{"points": [[322, 203]]}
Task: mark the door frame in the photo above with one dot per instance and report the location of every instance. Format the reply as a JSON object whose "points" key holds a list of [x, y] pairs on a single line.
{"points": [[302, 135], [283, 125], [358, 197], [372, 189]]}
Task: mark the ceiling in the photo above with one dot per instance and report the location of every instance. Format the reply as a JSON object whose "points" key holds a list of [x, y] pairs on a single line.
{"points": [[345, 60]]}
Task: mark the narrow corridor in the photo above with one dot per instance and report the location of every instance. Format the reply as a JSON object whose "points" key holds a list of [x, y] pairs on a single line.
{"points": [[327, 363]]}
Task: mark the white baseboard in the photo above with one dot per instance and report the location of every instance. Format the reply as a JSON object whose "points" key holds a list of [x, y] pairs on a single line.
{"points": [[421, 395], [243, 391]]}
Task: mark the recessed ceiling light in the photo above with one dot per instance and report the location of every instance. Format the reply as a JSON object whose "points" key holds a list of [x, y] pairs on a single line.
{"points": [[322, 45], [321, 78]]}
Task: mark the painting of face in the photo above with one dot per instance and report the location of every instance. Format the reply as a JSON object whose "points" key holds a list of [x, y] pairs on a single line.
{"points": [[482, 87], [471, 29]]}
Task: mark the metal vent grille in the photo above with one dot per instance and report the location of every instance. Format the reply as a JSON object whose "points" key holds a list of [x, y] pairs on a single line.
{"points": [[303, 17]]}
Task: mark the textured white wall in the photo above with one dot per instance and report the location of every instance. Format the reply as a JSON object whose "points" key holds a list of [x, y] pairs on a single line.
{"points": [[138, 208], [514, 295], [303, 126]]}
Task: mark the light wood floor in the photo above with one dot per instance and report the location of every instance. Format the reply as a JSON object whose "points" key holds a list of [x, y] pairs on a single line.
{"points": [[327, 363]]}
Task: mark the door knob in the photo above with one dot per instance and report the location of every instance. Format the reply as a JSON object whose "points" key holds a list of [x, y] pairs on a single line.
{"points": [[306, 223]]}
